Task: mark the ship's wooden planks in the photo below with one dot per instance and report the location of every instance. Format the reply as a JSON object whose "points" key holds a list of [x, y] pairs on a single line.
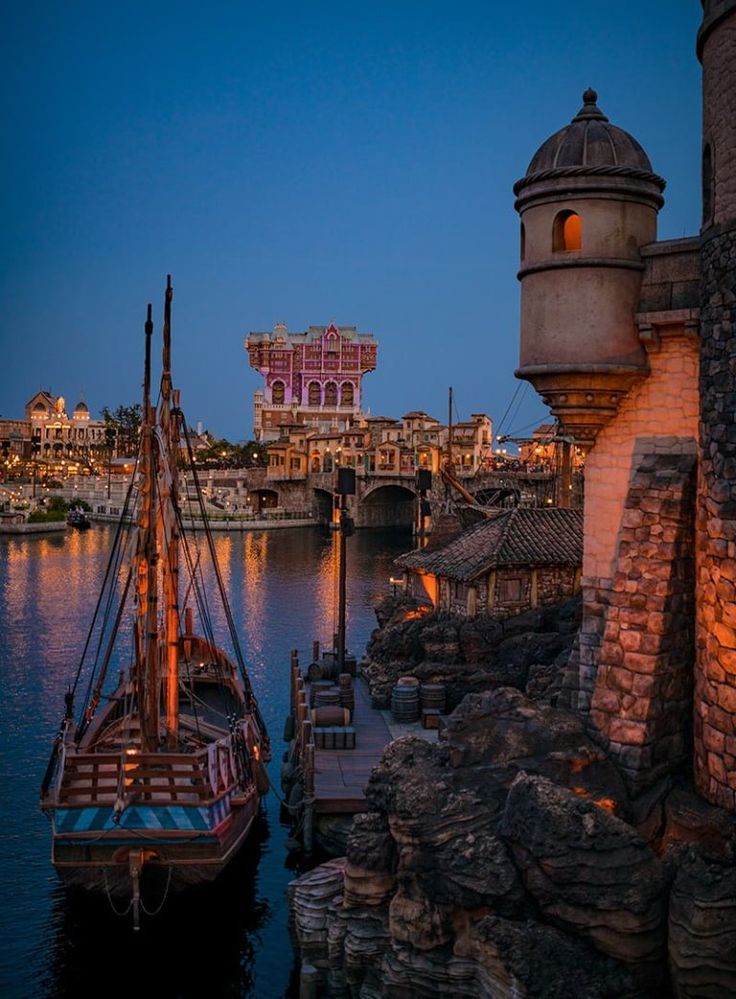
{"points": [[340, 775]]}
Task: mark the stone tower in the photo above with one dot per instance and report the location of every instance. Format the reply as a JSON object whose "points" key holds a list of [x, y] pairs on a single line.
{"points": [[588, 203], [609, 321], [715, 677]]}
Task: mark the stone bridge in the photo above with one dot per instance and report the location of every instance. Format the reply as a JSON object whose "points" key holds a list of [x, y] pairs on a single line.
{"points": [[382, 499]]}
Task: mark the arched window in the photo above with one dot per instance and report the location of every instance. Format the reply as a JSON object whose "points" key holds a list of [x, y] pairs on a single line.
{"points": [[330, 394], [567, 231], [315, 394], [522, 242], [347, 394], [707, 180], [277, 393]]}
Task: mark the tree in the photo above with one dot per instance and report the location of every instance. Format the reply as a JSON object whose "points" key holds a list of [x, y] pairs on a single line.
{"points": [[125, 422]]}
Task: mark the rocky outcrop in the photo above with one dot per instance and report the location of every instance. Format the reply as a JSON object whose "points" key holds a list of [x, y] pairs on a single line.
{"points": [[527, 652], [439, 897], [508, 860], [702, 928], [589, 873]]}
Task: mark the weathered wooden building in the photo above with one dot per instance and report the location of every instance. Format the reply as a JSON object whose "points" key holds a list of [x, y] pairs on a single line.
{"points": [[518, 560]]}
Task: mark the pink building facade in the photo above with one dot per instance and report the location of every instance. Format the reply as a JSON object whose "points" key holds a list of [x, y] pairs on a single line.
{"points": [[314, 378]]}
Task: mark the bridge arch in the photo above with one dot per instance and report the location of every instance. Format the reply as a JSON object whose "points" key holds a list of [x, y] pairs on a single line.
{"points": [[324, 505], [387, 505]]}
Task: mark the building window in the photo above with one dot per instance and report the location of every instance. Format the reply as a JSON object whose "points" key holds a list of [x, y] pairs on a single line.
{"points": [[330, 394], [509, 591], [347, 394], [567, 231], [315, 395], [277, 393], [522, 242], [707, 184]]}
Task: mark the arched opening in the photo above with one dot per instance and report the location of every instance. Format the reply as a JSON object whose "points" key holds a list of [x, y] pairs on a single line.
{"points": [[327, 464], [330, 394], [347, 394], [567, 231], [315, 463], [277, 393], [323, 505], [522, 242], [262, 499], [707, 180], [388, 506], [315, 394]]}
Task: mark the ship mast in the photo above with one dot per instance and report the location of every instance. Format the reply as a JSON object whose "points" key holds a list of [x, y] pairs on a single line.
{"points": [[146, 583], [168, 528]]}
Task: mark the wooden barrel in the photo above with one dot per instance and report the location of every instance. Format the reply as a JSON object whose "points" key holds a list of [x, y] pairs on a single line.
{"points": [[316, 687], [323, 717], [407, 681], [326, 697], [405, 702], [344, 680], [314, 671], [432, 695]]}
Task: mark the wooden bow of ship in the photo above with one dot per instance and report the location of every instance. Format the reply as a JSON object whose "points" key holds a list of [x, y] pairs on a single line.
{"points": [[161, 777]]}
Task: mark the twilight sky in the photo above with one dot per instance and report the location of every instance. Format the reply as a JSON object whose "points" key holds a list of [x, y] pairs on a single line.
{"points": [[304, 162]]}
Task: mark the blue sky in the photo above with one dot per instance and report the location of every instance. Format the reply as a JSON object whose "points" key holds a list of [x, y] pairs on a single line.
{"points": [[305, 163]]}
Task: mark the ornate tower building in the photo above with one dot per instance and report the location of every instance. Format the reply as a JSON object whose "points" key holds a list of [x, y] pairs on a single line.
{"points": [[715, 678], [314, 378]]}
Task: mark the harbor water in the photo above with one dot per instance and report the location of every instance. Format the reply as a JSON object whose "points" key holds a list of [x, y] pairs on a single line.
{"points": [[227, 939]]}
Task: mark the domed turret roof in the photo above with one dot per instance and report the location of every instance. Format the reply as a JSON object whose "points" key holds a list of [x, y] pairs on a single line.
{"points": [[81, 407], [590, 144]]}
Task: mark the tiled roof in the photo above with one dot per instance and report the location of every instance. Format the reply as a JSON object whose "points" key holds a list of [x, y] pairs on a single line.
{"points": [[514, 537]]}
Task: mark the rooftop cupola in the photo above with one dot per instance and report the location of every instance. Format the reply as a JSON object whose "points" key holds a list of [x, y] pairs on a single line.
{"points": [[588, 203]]}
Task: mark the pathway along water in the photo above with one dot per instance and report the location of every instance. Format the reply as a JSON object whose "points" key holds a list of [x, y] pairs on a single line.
{"points": [[227, 940]]}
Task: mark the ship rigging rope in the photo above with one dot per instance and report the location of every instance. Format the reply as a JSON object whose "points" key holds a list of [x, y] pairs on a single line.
{"points": [[113, 566], [253, 704]]}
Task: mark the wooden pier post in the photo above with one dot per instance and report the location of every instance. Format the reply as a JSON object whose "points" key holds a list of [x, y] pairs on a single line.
{"points": [[308, 790]]}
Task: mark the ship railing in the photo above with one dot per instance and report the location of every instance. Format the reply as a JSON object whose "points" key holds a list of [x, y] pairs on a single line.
{"points": [[156, 778]]}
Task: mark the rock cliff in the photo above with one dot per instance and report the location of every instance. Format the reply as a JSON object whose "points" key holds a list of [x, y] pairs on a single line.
{"points": [[509, 861]]}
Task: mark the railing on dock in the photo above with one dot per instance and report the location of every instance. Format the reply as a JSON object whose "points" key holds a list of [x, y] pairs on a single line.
{"points": [[304, 745]]}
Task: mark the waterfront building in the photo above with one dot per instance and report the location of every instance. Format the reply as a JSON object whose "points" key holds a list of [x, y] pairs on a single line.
{"points": [[314, 378], [48, 433], [630, 342], [517, 561], [381, 445]]}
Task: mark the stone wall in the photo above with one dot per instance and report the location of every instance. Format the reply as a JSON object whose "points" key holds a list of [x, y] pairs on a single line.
{"points": [[642, 698], [665, 403], [715, 684]]}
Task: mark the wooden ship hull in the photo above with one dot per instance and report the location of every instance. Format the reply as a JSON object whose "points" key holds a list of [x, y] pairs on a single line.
{"points": [[115, 809]]}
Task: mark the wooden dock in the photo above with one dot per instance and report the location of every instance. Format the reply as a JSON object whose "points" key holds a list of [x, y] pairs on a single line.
{"points": [[340, 775], [333, 780]]}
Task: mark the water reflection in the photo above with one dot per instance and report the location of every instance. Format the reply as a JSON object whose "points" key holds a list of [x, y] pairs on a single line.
{"points": [[227, 939]]}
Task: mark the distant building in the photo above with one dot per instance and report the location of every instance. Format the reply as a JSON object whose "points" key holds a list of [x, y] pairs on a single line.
{"points": [[56, 434], [313, 378], [48, 433]]}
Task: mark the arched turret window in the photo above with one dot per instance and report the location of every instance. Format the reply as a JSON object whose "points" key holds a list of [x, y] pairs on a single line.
{"points": [[347, 394], [277, 393], [707, 180], [522, 242], [567, 231], [315, 394], [330, 394]]}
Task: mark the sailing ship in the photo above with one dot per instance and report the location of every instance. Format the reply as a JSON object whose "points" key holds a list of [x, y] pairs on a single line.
{"points": [[160, 777]]}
